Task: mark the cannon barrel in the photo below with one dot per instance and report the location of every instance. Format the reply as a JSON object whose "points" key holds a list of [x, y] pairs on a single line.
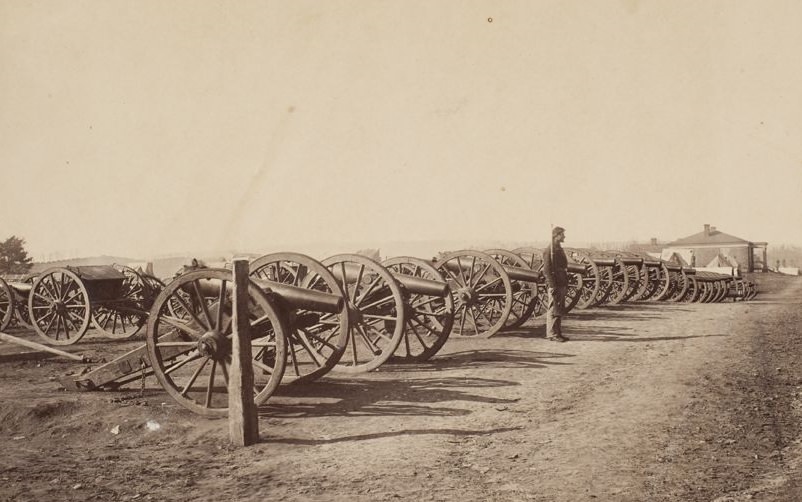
{"points": [[514, 273], [631, 260], [652, 263], [291, 296], [523, 274], [604, 262], [689, 270], [577, 268], [673, 268], [421, 286], [414, 285], [301, 298]]}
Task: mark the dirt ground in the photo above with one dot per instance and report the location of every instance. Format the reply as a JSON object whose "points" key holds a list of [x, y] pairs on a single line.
{"points": [[646, 402]]}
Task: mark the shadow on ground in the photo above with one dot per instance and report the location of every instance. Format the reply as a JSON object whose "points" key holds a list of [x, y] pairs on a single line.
{"points": [[396, 397]]}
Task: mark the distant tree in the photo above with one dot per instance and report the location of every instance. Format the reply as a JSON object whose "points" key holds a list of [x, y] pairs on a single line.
{"points": [[13, 256]]}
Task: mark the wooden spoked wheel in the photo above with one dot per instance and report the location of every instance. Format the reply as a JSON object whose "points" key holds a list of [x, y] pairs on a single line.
{"points": [[691, 290], [648, 280], [429, 318], [534, 260], [525, 295], [620, 283], [481, 290], [376, 312], [316, 341], [59, 307], [191, 353], [605, 285], [574, 292], [532, 256], [6, 304], [591, 281], [663, 284], [751, 290], [123, 317], [672, 280]]}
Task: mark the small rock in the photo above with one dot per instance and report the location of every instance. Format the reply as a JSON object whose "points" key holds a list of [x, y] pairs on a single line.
{"points": [[115, 430], [77, 487]]}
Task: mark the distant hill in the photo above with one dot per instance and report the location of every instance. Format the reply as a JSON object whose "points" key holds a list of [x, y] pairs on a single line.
{"points": [[77, 262]]}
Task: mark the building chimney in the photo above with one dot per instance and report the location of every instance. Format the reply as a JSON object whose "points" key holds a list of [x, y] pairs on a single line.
{"points": [[654, 241], [707, 230]]}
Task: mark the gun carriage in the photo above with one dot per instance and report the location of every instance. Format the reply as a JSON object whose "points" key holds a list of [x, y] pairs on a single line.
{"points": [[62, 302]]}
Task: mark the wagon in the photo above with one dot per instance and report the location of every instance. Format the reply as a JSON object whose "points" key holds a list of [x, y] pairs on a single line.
{"points": [[62, 302]]}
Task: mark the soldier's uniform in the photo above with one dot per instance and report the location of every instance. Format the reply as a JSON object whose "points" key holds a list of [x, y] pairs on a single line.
{"points": [[555, 270]]}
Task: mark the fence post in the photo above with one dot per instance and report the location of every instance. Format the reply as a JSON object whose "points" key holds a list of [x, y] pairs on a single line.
{"points": [[243, 420]]}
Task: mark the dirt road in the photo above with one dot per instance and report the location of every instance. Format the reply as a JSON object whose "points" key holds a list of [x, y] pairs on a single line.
{"points": [[647, 402]]}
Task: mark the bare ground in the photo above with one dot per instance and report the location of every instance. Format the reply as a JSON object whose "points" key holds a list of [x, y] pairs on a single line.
{"points": [[647, 402]]}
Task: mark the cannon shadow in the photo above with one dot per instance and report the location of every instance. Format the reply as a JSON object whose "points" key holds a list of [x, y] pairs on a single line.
{"points": [[396, 397], [378, 435], [483, 358]]}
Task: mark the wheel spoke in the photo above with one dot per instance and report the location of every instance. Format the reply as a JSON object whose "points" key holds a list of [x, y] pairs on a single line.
{"points": [[194, 376]]}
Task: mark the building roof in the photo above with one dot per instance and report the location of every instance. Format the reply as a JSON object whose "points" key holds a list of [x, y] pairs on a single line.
{"points": [[708, 236]]}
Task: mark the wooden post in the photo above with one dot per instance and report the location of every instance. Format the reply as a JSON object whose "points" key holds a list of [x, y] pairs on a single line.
{"points": [[243, 420]]}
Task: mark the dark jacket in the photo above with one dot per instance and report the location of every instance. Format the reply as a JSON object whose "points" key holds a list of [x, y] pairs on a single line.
{"points": [[555, 270]]}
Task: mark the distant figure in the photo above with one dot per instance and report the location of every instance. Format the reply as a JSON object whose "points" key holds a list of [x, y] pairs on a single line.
{"points": [[555, 269], [693, 259]]}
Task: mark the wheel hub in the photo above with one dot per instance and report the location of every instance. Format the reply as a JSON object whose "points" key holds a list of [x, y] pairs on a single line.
{"points": [[354, 314], [213, 344], [61, 307], [467, 296]]}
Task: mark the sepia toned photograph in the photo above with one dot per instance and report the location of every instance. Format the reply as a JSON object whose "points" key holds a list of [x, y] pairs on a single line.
{"points": [[401, 250]]}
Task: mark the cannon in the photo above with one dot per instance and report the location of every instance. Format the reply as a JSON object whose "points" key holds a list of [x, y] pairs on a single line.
{"points": [[375, 301], [189, 337], [316, 338], [429, 306], [298, 318], [481, 290], [528, 288]]}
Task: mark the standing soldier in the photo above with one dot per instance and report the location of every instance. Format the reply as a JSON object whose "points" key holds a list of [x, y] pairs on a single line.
{"points": [[555, 268]]}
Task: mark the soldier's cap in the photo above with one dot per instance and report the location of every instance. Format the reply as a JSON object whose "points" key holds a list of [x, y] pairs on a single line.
{"points": [[557, 231]]}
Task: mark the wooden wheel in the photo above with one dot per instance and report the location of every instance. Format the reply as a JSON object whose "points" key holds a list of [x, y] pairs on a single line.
{"points": [[725, 290], [605, 285], [574, 293], [534, 260], [481, 290], [376, 312], [650, 280], [620, 283], [6, 304], [124, 317], [663, 283], [681, 287], [190, 354], [591, 282], [316, 341], [751, 289], [59, 306], [429, 318], [525, 295], [690, 291]]}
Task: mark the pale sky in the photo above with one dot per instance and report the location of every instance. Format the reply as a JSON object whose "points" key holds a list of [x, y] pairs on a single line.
{"points": [[139, 128]]}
